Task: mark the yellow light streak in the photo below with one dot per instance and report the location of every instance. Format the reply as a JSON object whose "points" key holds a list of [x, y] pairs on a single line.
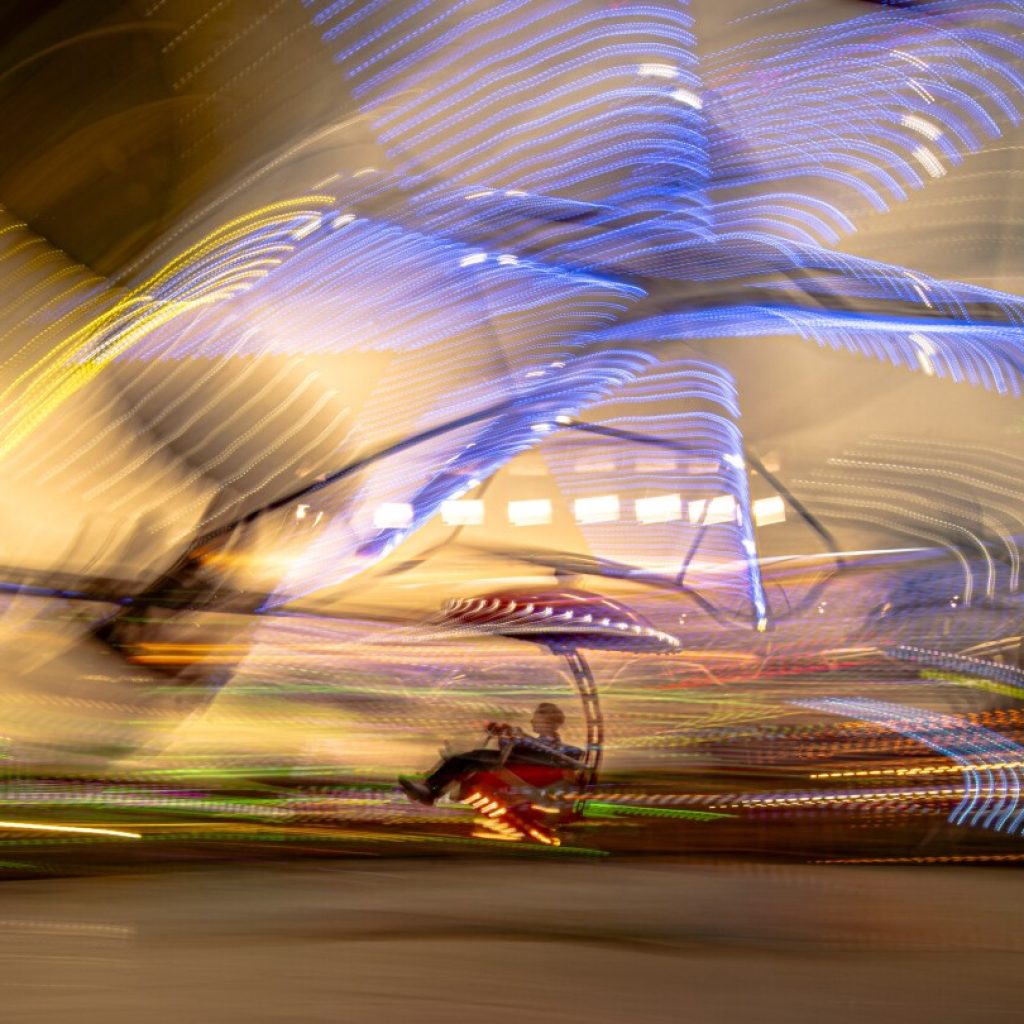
{"points": [[845, 798], [42, 388], [183, 652], [69, 828], [941, 769]]}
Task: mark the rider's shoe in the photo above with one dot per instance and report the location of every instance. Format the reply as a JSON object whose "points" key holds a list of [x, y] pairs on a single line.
{"points": [[416, 790]]}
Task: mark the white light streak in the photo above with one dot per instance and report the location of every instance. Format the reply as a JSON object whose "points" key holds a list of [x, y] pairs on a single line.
{"points": [[533, 512], [310, 225], [921, 90], [657, 71], [929, 161], [925, 351], [594, 467], [720, 509], [903, 55], [922, 126], [390, 515], [662, 508], [649, 465], [820, 555], [691, 99], [924, 298], [602, 508], [923, 343], [769, 510], [464, 512]]}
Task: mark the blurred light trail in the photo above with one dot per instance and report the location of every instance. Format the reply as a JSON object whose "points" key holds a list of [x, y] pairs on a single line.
{"points": [[224, 264], [983, 668], [69, 828], [992, 790]]}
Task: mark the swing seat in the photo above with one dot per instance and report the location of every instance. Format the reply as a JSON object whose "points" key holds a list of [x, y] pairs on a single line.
{"points": [[523, 800]]}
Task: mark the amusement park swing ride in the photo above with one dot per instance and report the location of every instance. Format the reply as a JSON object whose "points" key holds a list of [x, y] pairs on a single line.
{"points": [[536, 801]]}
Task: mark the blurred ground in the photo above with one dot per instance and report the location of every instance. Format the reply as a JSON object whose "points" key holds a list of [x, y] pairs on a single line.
{"points": [[429, 941]]}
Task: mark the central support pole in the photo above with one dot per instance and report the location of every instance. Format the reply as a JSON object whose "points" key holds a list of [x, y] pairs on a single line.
{"points": [[587, 689]]}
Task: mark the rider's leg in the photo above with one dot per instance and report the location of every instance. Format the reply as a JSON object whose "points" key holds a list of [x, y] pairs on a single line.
{"points": [[455, 768]]}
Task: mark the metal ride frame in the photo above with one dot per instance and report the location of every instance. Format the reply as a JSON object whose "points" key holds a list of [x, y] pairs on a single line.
{"points": [[586, 687]]}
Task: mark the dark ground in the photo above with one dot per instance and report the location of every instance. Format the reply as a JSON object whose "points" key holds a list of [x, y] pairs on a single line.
{"points": [[426, 941]]}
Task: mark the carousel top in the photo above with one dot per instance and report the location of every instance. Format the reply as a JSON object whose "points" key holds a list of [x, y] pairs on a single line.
{"points": [[563, 619]]}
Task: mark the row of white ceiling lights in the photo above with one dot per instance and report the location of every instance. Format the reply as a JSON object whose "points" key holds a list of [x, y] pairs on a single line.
{"points": [[605, 508]]}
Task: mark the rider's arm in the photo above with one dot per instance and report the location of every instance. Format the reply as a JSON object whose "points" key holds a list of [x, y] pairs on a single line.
{"points": [[504, 729]]}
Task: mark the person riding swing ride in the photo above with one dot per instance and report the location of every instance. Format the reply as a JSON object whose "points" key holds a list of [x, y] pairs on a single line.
{"points": [[529, 786]]}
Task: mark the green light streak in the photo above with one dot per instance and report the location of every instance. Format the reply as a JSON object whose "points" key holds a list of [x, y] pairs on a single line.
{"points": [[598, 809]]}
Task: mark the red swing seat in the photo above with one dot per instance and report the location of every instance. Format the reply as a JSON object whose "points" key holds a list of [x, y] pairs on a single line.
{"points": [[522, 800]]}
